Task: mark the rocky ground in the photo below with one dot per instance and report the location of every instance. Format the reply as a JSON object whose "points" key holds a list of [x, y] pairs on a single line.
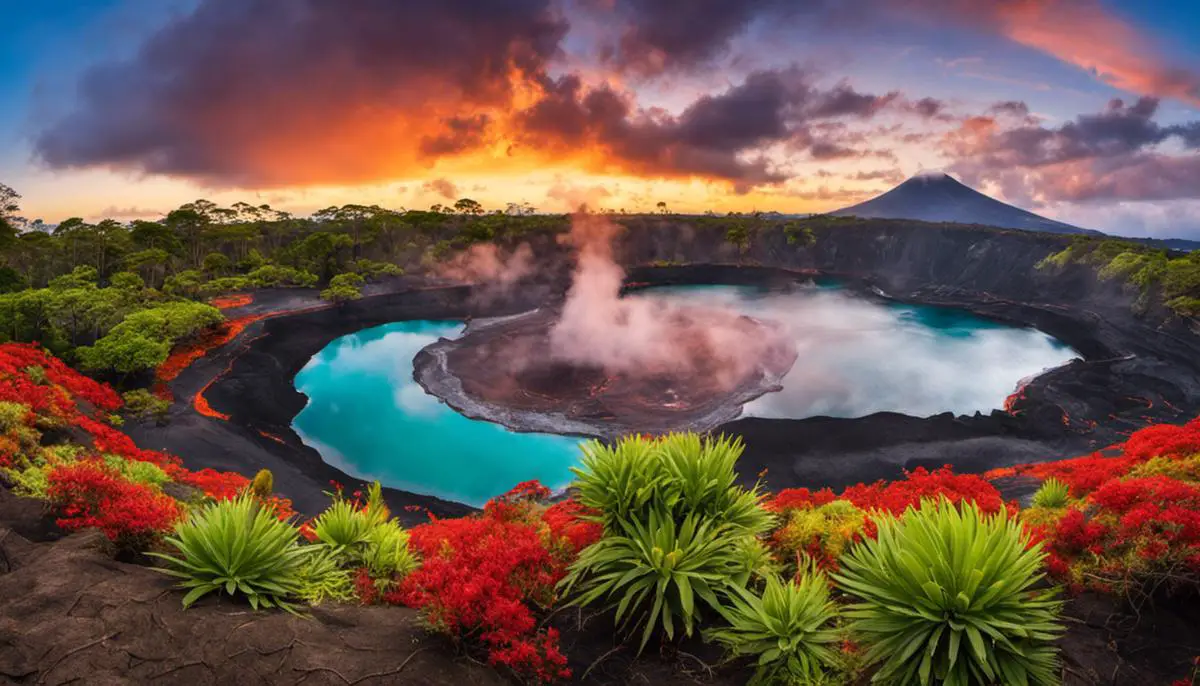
{"points": [[73, 614]]}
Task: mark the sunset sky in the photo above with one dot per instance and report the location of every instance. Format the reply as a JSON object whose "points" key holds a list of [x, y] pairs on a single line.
{"points": [[1086, 111]]}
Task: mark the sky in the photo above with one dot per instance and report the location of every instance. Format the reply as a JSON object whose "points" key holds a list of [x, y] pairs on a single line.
{"points": [[1086, 111]]}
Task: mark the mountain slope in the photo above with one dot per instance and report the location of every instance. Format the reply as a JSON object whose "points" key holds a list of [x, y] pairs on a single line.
{"points": [[940, 198]]}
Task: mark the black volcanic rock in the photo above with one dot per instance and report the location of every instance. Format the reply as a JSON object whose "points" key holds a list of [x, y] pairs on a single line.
{"points": [[940, 198]]}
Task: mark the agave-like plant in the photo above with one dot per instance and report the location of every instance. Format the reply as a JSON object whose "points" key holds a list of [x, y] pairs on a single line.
{"points": [[618, 480], [1053, 494], [680, 474], [947, 595], [788, 630], [657, 572], [239, 548], [342, 527]]}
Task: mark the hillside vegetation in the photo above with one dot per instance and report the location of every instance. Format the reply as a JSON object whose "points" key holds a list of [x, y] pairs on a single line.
{"points": [[1166, 276], [931, 579]]}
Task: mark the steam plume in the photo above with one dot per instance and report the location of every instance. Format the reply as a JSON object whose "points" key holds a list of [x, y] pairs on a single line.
{"points": [[647, 335]]}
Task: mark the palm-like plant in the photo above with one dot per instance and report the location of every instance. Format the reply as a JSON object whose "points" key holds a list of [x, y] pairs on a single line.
{"points": [[1053, 494], [946, 595], [656, 572], [788, 629], [617, 480], [342, 527], [679, 474], [237, 547]]}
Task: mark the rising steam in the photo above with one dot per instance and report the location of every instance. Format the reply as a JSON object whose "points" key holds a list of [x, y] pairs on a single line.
{"points": [[647, 335]]}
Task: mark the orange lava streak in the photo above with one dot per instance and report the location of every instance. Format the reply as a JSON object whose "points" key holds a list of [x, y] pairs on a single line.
{"points": [[228, 302], [200, 403], [266, 434], [231, 331]]}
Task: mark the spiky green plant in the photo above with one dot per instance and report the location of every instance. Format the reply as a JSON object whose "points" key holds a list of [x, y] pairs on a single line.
{"points": [[322, 578], [657, 573], [788, 630], [239, 548], [1052, 494], [680, 474], [947, 595], [342, 527], [386, 553]]}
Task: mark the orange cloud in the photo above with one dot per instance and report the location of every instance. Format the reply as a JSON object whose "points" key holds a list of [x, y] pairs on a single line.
{"points": [[1083, 33]]}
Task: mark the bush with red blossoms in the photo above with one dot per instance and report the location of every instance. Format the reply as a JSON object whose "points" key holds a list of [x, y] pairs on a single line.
{"points": [[89, 494], [483, 578], [921, 484], [1134, 522], [214, 484]]}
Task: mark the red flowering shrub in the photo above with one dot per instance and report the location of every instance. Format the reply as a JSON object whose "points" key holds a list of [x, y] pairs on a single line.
{"points": [[1083, 474], [920, 484], [481, 578], [799, 498], [1164, 440], [214, 484], [89, 494], [1138, 520], [568, 526]]}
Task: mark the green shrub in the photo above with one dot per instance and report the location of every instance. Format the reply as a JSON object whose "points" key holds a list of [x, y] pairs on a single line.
{"points": [[143, 404], [682, 474], [342, 527], [656, 573], [239, 548], [12, 415], [137, 471], [322, 578], [788, 631], [1052, 494], [946, 595], [386, 554]]}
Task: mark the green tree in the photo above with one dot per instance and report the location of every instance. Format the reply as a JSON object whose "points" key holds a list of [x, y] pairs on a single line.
{"points": [[468, 206], [343, 288], [9, 207], [217, 264]]}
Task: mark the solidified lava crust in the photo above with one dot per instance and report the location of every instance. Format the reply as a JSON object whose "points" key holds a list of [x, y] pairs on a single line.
{"points": [[504, 370]]}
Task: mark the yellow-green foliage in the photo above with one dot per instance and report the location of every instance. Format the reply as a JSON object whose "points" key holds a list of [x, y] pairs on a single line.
{"points": [[833, 527], [1175, 275], [37, 374], [144, 404], [1184, 469], [1185, 305], [323, 579], [137, 471], [263, 485], [12, 416]]}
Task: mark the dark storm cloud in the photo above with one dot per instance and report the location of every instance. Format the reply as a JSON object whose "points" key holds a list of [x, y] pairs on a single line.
{"points": [[229, 92], [843, 101], [1013, 108], [258, 93], [1111, 155], [1119, 130], [713, 135], [459, 134], [668, 34]]}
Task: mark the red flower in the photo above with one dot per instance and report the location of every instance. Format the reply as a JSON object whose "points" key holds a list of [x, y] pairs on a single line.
{"points": [[89, 494]]}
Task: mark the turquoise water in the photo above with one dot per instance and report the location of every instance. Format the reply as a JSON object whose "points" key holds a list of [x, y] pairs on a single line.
{"points": [[367, 416]]}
